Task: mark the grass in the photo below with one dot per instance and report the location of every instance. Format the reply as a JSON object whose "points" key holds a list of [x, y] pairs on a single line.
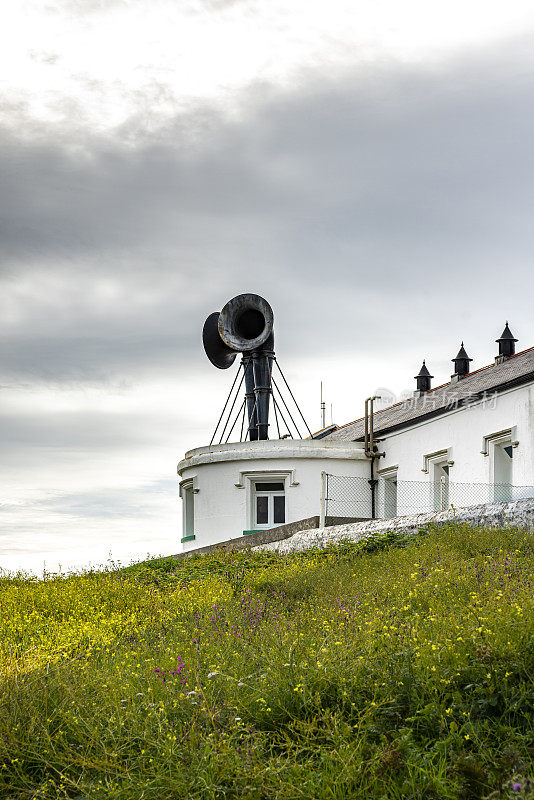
{"points": [[392, 668]]}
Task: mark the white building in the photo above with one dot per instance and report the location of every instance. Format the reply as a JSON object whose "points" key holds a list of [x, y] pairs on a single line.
{"points": [[468, 441], [232, 490]]}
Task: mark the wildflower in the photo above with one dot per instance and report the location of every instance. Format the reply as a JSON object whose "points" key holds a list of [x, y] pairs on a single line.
{"points": [[212, 674], [240, 684], [516, 787]]}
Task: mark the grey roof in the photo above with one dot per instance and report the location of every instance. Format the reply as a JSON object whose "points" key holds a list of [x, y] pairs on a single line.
{"points": [[477, 385]]}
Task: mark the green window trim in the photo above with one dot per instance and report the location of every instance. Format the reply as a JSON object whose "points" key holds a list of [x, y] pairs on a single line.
{"points": [[247, 533], [188, 538]]}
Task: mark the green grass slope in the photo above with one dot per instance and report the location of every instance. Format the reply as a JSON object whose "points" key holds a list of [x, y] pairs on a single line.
{"points": [[393, 668]]}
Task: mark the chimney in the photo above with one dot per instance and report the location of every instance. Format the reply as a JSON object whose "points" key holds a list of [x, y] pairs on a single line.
{"points": [[461, 364], [506, 345], [423, 381]]}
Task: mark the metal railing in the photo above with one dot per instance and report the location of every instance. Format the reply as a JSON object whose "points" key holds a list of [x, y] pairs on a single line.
{"points": [[350, 497]]}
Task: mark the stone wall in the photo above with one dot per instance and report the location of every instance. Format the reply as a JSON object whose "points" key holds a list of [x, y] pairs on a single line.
{"points": [[517, 512], [265, 537], [255, 539]]}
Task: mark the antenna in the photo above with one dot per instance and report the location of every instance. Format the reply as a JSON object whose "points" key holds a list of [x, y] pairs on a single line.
{"points": [[323, 409]]}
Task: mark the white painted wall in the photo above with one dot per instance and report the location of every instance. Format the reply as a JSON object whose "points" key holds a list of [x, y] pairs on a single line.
{"points": [[222, 477], [462, 432]]}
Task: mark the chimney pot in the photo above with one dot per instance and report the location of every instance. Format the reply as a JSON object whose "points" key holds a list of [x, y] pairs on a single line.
{"points": [[506, 343], [461, 364], [423, 379]]}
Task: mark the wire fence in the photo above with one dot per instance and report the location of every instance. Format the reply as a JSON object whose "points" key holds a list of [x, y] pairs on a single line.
{"points": [[352, 497]]}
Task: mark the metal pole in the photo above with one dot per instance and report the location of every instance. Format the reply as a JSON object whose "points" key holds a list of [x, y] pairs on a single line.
{"points": [[227, 401], [293, 397], [322, 514], [230, 413], [261, 369], [282, 416], [235, 421], [249, 394], [286, 408], [369, 447], [366, 428]]}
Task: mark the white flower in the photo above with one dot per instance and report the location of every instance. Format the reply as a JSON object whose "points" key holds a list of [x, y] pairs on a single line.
{"points": [[240, 684], [237, 719], [192, 694], [212, 674]]}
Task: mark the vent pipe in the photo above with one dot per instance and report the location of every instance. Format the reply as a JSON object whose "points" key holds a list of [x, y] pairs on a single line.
{"points": [[423, 381], [461, 364], [506, 343]]}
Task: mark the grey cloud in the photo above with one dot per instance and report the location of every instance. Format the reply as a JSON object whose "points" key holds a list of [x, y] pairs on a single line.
{"points": [[387, 183], [109, 503], [78, 431]]}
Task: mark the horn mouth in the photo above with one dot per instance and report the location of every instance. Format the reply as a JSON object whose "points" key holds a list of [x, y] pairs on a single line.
{"points": [[246, 322], [218, 353]]}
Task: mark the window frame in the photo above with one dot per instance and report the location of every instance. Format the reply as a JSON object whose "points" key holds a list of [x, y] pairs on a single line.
{"points": [[270, 495], [432, 461], [500, 494], [247, 481], [187, 491], [390, 476]]}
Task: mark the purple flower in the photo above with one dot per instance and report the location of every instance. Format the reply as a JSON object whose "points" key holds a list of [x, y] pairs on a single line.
{"points": [[516, 787]]}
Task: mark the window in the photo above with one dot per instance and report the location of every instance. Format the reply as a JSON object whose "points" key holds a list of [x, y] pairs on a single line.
{"points": [[269, 504], [390, 497], [189, 500], [187, 492], [390, 491], [503, 455], [441, 486], [437, 465]]}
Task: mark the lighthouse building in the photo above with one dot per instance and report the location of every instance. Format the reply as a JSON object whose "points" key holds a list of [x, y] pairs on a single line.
{"points": [[466, 442]]}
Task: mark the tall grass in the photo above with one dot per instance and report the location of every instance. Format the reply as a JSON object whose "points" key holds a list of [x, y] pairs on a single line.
{"points": [[393, 668]]}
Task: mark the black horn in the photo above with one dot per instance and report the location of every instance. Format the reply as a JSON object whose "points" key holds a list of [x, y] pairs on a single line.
{"points": [[246, 322], [245, 325], [220, 355]]}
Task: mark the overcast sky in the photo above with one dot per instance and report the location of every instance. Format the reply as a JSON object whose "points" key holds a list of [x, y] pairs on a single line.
{"points": [[366, 166]]}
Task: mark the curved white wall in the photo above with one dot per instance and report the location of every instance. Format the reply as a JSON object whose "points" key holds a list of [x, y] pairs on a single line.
{"points": [[222, 475]]}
